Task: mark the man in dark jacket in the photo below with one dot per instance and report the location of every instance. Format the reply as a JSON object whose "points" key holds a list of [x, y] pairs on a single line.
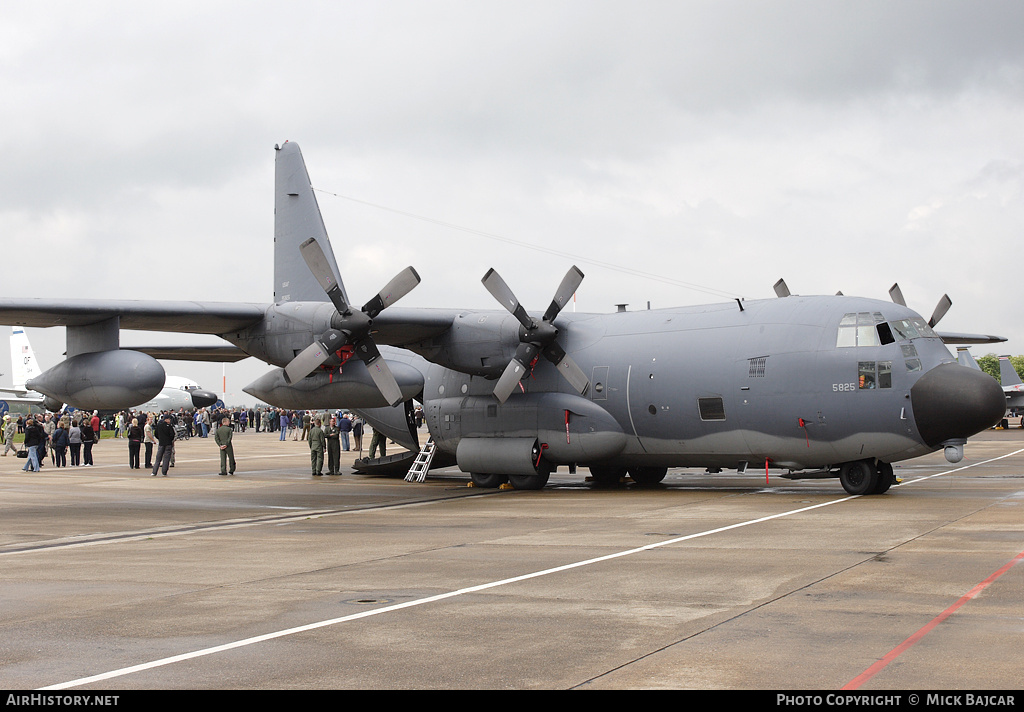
{"points": [[164, 432], [35, 441]]}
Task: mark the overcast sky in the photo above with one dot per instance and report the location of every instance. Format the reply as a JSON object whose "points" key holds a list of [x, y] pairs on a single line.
{"points": [[679, 152]]}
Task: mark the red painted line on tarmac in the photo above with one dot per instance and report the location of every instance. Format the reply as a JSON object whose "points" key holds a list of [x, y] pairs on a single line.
{"points": [[910, 642]]}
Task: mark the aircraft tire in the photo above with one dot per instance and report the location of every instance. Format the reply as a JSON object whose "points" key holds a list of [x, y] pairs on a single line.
{"points": [[885, 478], [489, 481], [859, 477], [528, 482], [607, 475], [648, 475]]}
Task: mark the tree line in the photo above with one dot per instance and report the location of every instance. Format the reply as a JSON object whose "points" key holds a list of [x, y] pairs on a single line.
{"points": [[989, 363]]}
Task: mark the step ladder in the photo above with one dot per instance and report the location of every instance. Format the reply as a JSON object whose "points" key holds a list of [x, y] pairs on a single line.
{"points": [[418, 471]]}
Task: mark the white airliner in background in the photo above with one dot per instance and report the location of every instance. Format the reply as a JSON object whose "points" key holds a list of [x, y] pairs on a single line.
{"points": [[176, 394]]}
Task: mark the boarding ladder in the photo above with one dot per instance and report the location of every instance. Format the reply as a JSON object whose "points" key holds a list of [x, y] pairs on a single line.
{"points": [[418, 471]]}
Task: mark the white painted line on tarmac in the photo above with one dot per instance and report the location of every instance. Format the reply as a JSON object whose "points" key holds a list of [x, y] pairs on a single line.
{"points": [[423, 601], [959, 469], [463, 591]]}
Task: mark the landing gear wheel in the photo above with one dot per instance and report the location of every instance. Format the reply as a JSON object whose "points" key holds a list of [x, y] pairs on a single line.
{"points": [[607, 475], [886, 478], [487, 481], [858, 477], [648, 475], [528, 482]]}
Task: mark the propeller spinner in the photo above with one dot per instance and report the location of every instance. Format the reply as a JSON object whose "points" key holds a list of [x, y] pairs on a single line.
{"points": [[536, 337], [350, 326]]}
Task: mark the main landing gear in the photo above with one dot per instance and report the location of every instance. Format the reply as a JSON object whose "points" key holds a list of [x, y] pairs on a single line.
{"points": [[866, 477]]}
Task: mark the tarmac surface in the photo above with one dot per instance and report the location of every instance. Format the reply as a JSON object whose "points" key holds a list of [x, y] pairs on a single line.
{"points": [[111, 579]]}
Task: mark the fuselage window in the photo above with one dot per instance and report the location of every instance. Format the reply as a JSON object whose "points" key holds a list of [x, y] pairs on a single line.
{"points": [[711, 408], [866, 375], [885, 374], [913, 364], [871, 375]]}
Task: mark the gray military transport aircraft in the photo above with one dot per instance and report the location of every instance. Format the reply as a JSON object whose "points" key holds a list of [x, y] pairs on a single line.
{"points": [[820, 386]]}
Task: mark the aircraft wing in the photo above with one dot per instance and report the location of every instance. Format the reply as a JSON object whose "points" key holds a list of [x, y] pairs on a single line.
{"points": [[400, 327], [957, 338], [183, 317], [218, 354], [17, 394], [20, 396]]}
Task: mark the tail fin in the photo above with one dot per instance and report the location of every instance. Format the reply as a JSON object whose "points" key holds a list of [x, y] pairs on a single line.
{"points": [[1007, 373], [23, 360], [296, 219], [964, 358]]}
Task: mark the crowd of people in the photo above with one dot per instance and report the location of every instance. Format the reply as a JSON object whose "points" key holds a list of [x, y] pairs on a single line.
{"points": [[75, 434]]}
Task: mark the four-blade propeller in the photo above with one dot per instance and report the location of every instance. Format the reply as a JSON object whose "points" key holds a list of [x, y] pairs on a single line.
{"points": [[896, 294], [350, 326], [536, 337]]}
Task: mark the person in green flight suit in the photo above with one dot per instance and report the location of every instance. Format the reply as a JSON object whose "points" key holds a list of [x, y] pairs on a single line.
{"points": [[317, 443], [333, 434], [227, 453]]}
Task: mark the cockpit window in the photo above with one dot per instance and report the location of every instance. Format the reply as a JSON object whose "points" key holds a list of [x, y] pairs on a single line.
{"points": [[859, 330], [871, 329], [915, 328]]}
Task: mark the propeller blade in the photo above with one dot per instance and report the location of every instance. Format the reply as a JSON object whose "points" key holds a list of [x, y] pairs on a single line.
{"points": [[570, 283], [369, 354], [515, 371], [307, 361], [509, 380], [398, 287], [494, 284], [574, 375], [317, 262], [567, 367], [940, 310], [896, 294]]}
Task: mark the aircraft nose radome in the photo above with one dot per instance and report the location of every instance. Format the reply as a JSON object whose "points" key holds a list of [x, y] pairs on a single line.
{"points": [[203, 399], [954, 402]]}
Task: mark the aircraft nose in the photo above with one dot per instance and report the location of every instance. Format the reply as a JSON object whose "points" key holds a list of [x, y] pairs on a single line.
{"points": [[203, 399], [954, 402]]}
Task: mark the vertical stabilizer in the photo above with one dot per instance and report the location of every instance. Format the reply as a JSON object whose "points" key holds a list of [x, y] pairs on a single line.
{"points": [[296, 219], [964, 358], [1007, 373], [23, 359]]}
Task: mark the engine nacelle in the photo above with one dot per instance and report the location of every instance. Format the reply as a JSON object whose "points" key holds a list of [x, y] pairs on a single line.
{"points": [[52, 404], [102, 380], [351, 388]]}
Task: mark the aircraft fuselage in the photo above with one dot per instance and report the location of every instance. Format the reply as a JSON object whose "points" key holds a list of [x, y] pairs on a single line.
{"points": [[799, 383]]}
